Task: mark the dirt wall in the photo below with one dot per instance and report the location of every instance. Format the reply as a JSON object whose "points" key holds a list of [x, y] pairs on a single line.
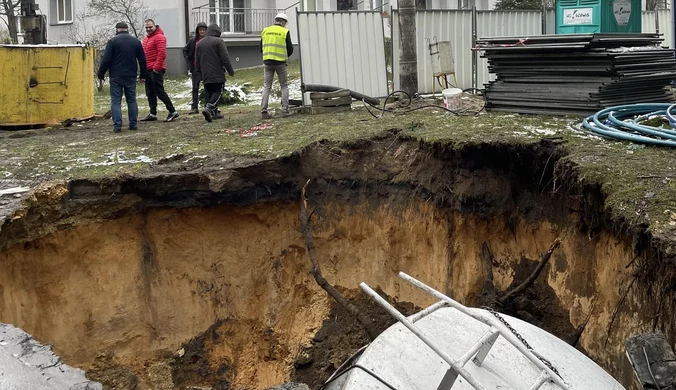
{"points": [[141, 286]]}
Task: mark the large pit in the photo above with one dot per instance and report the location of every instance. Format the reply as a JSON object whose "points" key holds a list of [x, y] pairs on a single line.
{"points": [[200, 277]]}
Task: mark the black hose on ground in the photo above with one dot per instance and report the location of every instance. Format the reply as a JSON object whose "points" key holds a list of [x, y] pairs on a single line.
{"points": [[331, 88]]}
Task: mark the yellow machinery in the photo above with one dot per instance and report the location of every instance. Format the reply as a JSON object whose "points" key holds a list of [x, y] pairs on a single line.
{"points": [[45, 84]]}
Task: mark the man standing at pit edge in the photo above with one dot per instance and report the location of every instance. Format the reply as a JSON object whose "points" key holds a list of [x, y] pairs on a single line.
{"points": [[120, 59], [212, 62], [155, 48], [276, 47], [190, 55]]}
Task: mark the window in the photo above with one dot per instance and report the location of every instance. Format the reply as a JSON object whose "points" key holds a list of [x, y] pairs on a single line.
{"points": [[61, 11], [346, 5], [228, 14]]}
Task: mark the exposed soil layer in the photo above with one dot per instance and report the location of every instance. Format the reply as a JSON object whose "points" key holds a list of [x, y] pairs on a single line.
{"points": [[200, 277]]}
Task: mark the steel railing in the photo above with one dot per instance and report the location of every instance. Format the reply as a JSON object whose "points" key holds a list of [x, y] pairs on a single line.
{"points": [[235, 20]]}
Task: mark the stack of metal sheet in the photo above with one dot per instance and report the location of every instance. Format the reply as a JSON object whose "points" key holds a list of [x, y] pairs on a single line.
{"points": [[576, 74]]}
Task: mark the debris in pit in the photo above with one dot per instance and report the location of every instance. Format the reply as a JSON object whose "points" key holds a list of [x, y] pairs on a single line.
{"points": [[527, 300], [290, 386], [191, 367], [341, 336], [113, 375]]}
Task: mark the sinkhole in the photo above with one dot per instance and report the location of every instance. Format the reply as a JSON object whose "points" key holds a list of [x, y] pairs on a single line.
{"points": [[189, 278]]}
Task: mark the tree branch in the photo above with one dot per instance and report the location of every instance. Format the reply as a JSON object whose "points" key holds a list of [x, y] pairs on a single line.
{"points": [[317, 272], [617, 310], [488, 292], [531, 279]]}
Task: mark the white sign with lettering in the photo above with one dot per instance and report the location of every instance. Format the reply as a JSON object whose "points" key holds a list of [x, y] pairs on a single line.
{"points": [[573, 16], [622, 11]]}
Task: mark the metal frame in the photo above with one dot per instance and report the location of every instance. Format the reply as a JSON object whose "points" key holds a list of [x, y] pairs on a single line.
{"points": [[479, 350]]}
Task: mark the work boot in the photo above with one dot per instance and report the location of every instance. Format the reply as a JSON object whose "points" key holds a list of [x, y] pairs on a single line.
{"points": [[117, 129], [149, 118], [265, 115], [194, 111], [217, 114]]}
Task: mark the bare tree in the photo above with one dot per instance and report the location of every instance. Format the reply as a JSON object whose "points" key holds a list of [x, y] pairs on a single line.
{"points": [[654, 5], [133, 12], [89, 31], [10, 10], [4, 35]]}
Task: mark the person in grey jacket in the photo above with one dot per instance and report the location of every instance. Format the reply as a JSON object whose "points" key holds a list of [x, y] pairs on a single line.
{"points": [[212, 62]]}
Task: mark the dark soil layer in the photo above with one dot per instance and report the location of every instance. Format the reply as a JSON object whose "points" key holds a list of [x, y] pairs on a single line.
{"points": [[340, 336]]}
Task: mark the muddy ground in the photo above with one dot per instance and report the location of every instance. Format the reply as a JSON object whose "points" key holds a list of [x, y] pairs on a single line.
{"points": [[516, 182]]}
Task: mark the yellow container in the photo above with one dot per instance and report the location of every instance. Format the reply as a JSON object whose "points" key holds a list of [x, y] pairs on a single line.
{"points": [[45, 84]]}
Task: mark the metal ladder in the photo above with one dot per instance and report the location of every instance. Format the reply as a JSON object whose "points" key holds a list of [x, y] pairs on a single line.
{"points": [[478, 352]]}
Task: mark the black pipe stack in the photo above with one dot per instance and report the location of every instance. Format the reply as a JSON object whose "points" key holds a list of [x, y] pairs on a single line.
{"points": [[576, 74]]}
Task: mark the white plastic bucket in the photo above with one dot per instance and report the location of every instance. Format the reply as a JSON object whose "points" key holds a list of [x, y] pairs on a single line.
{"points": [[452, 98]]}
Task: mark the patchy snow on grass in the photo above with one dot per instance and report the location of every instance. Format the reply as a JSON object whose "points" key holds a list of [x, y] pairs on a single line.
{"points": [[119, 157], [540, 131]]}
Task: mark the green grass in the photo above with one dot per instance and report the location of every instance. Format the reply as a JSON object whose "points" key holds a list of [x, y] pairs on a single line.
{"points": [[639, 181], [254, 76]]}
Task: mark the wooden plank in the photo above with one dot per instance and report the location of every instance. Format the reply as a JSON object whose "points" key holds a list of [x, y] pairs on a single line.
{"points": [[342, 101], [329, 95], [330, 110]]}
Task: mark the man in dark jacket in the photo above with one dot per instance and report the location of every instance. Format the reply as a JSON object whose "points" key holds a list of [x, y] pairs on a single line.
{"points": [[190, 58], [276, 48], [212, 62], [122, 57]]}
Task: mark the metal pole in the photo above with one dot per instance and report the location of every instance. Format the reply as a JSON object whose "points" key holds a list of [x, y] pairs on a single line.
{"points": [[544, 19], [657, 20], [475, 53], [300, 56], [408, 60]]}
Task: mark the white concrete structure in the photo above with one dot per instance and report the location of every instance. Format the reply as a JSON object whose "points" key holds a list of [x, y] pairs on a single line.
{"points": [[450, 346]]}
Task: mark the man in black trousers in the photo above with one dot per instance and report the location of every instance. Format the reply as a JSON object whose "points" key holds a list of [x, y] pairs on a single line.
{"points": [[212, 62], [191, 59]]}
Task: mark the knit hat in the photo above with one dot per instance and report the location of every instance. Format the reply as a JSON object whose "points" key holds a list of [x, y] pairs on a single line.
{"points": [[121, 25]]}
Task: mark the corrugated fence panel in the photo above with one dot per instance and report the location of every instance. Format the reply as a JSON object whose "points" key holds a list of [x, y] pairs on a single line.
{"points": [[343, 49], [649, 24], [454, 26], [504, 24], [550, 17]]}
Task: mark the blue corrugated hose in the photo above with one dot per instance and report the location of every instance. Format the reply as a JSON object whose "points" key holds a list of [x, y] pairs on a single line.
{"points": [[625, 123]]}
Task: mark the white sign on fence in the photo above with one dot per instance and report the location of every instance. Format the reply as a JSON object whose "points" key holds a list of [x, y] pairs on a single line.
{"points": [[577, 16]]}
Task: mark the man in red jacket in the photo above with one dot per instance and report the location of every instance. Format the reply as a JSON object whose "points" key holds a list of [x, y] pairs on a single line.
{"points": [[155, 48]]}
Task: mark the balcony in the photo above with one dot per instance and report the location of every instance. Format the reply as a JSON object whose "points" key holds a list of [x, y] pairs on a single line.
{"points": [[234, 21]]}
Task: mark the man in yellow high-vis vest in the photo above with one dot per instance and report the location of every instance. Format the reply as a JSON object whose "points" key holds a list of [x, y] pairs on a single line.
{"points": [[276, 47]]}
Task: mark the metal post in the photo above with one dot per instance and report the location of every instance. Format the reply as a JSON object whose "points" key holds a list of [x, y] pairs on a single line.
{"points": [[475, 53], [408, 60], [300, 56], [657, 20], [544, 19]]}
